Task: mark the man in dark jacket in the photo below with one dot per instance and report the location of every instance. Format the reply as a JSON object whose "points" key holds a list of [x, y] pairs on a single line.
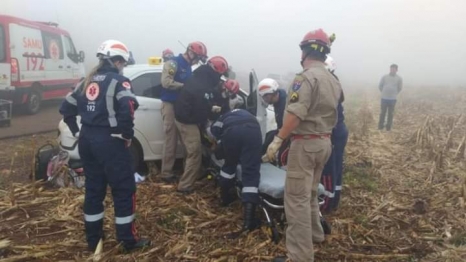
{"points": [[192, 109]]}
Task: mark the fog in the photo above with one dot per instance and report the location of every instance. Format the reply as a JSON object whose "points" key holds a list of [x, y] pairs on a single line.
{"points": [[424, 37]]}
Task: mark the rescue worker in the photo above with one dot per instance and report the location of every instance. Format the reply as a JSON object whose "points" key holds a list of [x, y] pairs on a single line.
{"points": [[273, 95], [311, 115], [106, 104], [167, 54], [222, 97], [332, 175], [239, 142], [192, 110], [175, 73]]}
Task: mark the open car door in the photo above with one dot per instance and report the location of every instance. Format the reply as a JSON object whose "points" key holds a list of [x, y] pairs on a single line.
{"points": [[255, 104]]}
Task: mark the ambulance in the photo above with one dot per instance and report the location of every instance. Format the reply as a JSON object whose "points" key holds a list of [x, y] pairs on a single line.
{"points": [[38, 62]]}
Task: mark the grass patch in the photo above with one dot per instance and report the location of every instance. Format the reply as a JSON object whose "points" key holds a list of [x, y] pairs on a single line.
{"points": [[361, 177]]}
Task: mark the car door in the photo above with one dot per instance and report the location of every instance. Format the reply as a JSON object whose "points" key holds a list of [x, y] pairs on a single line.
{"points": [[148, 117], [72, 68], [257, 103], [5, 67], [54, 62]]}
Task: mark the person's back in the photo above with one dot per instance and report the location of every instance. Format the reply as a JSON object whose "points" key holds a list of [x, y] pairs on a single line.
{"points": [[194, 103], [321, 116]]}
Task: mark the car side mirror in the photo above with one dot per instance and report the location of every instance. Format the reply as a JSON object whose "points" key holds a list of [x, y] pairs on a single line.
{"points": [[81, 56]]}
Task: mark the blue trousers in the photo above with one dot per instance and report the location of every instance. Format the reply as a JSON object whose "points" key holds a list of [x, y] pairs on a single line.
{"points": [[332, 176], [386, 106], [242, 145], [106, 160]]}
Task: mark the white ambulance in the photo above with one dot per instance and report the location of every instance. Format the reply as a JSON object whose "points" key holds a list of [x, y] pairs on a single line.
{"points": [[38, 61]]}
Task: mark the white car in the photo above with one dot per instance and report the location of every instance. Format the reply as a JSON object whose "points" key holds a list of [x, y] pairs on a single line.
{"points": [[147, 144]]}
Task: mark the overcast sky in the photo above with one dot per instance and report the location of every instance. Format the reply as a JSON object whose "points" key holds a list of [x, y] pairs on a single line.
{"points": [[426, 38]]}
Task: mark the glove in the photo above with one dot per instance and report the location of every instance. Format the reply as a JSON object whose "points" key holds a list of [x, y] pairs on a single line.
{"points": [[216, 109], [120, 136], [265, 158], [273, 148], [76, 135]]}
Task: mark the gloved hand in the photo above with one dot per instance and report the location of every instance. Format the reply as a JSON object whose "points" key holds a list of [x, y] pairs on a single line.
{"points": [[273, 148], [216, 109], [120, 136], [265, 158]]}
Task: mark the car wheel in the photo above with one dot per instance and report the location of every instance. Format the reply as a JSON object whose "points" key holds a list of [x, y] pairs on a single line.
{"points": [[33, 103]]}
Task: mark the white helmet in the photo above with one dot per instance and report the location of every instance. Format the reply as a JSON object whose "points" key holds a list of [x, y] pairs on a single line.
{"points": [[267, 86], [112, 48], [330, 64]]}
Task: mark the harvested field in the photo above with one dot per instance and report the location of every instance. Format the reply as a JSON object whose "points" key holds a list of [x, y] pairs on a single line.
{"points": [[403, 198]]}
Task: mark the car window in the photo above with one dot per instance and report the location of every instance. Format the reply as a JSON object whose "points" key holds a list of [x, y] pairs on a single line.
{"points": [[147, 85], [53, 48], [70, 50], [2, 45]]}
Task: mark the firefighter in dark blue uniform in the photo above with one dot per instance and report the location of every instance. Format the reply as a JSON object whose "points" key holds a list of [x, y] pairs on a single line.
{"points": [[176, 71], [106, 104], [239, 142], [333, 171]]}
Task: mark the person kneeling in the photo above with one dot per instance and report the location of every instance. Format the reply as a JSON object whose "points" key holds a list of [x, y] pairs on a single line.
{"points": [[239, 142]]}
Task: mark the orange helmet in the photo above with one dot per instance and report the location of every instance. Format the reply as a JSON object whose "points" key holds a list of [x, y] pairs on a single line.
{"points": [[232, 86], [219, 64], [167, 53], [315, 41], [199, 49]]}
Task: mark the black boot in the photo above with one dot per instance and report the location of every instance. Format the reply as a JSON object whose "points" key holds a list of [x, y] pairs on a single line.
{"points": [[226, 196], [250, 223], [280, 259], [141, 243]]}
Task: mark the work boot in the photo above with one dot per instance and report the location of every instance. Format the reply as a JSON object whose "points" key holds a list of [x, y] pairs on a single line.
{"points": [[187, 191], [226, 197], [250, 223], [141, 243], [169, 179]]}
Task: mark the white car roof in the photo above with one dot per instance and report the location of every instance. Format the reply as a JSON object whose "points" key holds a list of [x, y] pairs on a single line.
{"points": [[135, 70]]}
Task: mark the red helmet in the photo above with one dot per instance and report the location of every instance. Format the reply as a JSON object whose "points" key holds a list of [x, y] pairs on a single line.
{"points": [[219, 64], [167, 53], [316, 40], [232, 86], [198, 48]]}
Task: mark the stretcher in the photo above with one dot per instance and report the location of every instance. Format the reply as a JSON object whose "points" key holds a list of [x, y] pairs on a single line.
{"points": [[271, 193]]}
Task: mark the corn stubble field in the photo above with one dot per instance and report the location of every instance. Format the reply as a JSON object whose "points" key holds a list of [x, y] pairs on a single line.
{"points": [[403, 198]]}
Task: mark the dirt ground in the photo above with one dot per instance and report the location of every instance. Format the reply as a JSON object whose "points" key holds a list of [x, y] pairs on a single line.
{"points": [[403, 199]]}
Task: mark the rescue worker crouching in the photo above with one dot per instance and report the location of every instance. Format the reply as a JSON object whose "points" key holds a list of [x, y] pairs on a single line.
{"points": [[175, 73], [192, 110], [239, 142], [311, 115], [106, 104]]}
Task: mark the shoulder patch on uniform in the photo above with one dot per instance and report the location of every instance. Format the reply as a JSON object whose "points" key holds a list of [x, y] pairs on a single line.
{"points": [[294, 97], [172, 67], [92, 91], [126, 85], [297, 82]]}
